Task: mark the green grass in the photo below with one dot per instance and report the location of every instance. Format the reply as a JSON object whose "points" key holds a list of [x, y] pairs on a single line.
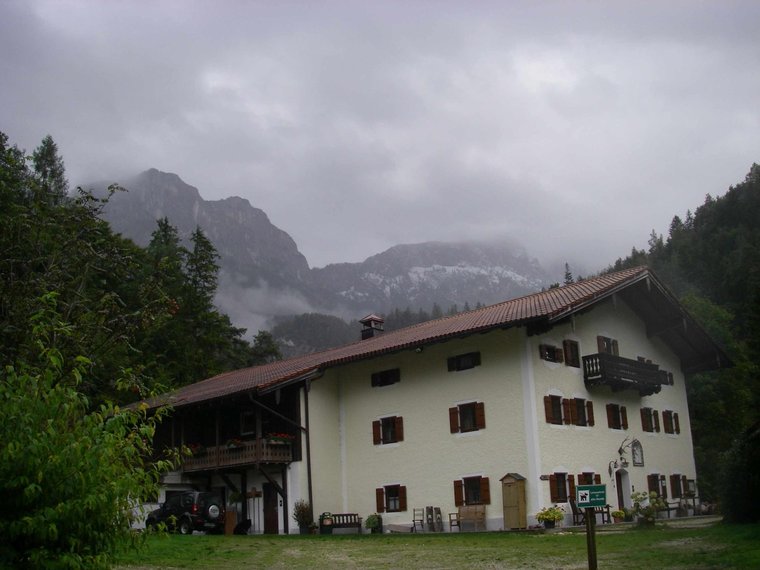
{"points": [[718, 546]]}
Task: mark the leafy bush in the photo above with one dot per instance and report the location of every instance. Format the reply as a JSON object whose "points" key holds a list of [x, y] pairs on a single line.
{"points": [[69, 476]]}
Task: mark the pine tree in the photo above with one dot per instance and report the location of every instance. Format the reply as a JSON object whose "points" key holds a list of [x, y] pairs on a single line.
{"points": [[48, 166]]}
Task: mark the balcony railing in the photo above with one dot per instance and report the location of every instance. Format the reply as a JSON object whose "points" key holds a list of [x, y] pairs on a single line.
{"points": [[623, 373], [248, 452]]}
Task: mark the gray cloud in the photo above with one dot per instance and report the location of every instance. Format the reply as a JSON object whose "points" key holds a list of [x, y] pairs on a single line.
{"points": [[576, 127]]}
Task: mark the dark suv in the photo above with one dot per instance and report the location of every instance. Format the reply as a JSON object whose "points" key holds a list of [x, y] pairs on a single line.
{"points": [[189, 511]]}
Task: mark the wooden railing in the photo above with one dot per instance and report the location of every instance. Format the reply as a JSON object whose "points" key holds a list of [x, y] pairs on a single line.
{"points": [[247, 453], [623, 373]]}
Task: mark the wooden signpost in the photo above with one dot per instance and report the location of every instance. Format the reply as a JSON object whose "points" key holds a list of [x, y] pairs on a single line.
{"points": [[589, 497]]}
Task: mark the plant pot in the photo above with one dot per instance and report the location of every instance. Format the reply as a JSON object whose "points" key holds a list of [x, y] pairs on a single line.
{"points": [[617, 519], [304, 529], [550, 524]]}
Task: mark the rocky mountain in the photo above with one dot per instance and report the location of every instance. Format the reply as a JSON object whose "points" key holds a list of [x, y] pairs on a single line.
{"points": [[263, 275]]}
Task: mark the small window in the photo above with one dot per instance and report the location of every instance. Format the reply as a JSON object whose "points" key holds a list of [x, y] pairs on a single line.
{"points": [[550, 353], [575, 411], [670, 422], [388, 430], [678, 486], [617, 417], [656, 484], [472, 491], [650, 420], [467, 417], [579, 405], [386, 377], [607, 345], [247, 423], [572, 353], [558, 487], [391, 499], [589, 478], [464, 361]]}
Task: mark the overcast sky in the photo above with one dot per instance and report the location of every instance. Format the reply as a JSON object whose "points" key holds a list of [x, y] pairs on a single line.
{"points": [[575, 127]]}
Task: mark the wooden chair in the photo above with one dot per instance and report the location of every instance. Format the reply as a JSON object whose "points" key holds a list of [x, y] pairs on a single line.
{"points": [[579, 515], [418, 518]]}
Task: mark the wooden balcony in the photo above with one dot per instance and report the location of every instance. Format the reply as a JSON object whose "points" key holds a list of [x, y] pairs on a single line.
{"points": [[624, 374], [248, 453]]}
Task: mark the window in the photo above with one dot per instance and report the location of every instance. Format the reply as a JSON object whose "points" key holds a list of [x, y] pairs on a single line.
{"points": [[650, 420], [575, 411], [247, 423], [656, 484], [388, 430], [607, 345], [617, 417], [550, 353], [572, 353], [679, 486], [472, 491], [561, 486], [467, 417], [390, 499], [670, 422], [591, 478], [464, 361], [386, 377]]}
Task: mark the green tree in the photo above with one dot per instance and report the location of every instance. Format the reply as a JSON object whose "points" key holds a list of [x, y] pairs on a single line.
{"points": [[70, 474], [48, 166], [265, 349]]}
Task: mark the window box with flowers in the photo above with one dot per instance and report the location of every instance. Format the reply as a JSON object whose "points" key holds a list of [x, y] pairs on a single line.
{"points": [[235, 443], [196, 449], [280, 438], [550, 516]]}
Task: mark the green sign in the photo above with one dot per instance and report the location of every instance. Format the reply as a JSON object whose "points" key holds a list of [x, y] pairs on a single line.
{"points": [[590, 496]]}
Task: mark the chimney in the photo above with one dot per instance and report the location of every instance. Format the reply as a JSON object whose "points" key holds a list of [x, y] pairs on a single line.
{"points": [[373, 325]]}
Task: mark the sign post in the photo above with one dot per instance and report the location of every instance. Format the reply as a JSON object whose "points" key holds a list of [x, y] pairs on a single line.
{"points": [[589, 497]]}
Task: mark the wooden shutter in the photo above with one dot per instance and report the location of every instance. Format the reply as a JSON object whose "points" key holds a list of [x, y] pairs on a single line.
{"points": [[582, 479], [402, 498], [548, 409], [480, 415], [656, 420], [558, 355], [376, 433], [399, 428], [653, 483], [458, 493], [611, 416], [600, 345], [663, 488], [553, 488], [623, 417], [567, 410], [675, 486], [676, 423], [615, 348], [380, 500], [590, 413], [571, 486], [667, 419], [454, 419], [684, 485], [646, 419], [485, 491], [597, 479]]}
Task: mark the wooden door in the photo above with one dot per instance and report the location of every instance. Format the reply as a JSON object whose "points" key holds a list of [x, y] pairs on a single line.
{"points": [[271, 510], [515, 509]]}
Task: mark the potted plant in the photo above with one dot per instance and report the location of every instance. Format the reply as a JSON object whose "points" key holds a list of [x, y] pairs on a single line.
{"points": [[618, 516], [550, 516], [646, 506], [374, 523], [302, 515]]}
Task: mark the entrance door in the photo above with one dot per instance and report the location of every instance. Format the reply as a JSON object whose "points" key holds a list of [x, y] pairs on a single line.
{"points": [[623, 486], [271, 511], [513, 499]]}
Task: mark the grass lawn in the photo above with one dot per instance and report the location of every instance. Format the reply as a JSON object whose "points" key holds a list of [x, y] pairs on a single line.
{"points": [[717, 546]]}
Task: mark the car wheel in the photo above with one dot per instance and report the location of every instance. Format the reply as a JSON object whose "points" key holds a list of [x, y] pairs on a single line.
{"points": [[185, 526]]}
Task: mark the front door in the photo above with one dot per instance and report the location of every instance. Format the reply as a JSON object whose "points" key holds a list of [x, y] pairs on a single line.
{"points": [[271, 510], [623, 487]]}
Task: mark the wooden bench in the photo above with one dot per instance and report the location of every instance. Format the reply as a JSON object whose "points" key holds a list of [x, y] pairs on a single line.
{"points": [[579, 515], [475, 514], [347, 520]]}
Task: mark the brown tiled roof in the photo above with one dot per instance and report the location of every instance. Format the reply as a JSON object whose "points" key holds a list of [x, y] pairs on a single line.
{"points": [[549, 306]]}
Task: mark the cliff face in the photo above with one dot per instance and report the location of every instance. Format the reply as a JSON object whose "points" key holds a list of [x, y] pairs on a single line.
{"points": [[263, 274]]}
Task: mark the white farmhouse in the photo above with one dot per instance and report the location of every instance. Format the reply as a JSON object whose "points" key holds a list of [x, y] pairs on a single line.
{"points": [[506, 407]]}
